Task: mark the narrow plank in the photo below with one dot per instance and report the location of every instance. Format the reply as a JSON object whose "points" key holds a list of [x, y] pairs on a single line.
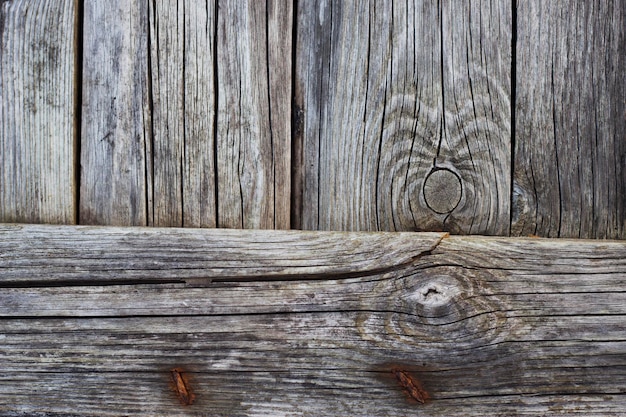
{"points": [[570, 120], [116, 120], [183, 105], [493, 326], [38, 69], [254, 101], [403, 116]]}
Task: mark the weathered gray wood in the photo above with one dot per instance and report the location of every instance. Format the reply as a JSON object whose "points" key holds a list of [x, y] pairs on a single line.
{"points": [[272, 323], [38, 70], [388, 94], [254, 98], [159, 85], [116, 171], [182, 36], [570, 136], [31, 253]]}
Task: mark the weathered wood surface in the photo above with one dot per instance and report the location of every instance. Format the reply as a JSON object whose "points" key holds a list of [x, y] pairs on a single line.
{"points": [[254, 119], [403, 116], [187, 114], [570, 179], [182, 82], [116, 126], [293, 323], [37, 111]]}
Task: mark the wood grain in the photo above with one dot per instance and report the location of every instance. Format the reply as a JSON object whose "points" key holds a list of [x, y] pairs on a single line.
{"points": [[116, 136], [187, 114], [254, 101], [38, 70], [389, 93], [570, 152], [493, 326], [182, 49]]}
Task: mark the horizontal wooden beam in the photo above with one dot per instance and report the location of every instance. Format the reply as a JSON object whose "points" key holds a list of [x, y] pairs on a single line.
{"points": [[108, 320]]}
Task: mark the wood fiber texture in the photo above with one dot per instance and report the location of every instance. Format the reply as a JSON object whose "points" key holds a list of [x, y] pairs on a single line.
{"points": [[389, 93], [38, 134], [570, 156], [186, 114], [290, 323]]}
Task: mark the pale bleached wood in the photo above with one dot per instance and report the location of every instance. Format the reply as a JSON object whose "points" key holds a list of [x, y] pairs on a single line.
{"points": [[570, 153], [254, 98], [386, 94], [116, 175], [491, 326], [38, 68]]}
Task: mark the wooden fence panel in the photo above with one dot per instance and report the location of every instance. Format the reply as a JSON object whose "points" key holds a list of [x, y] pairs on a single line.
{"points": [[38, 69], [187, 114], [221, 322], [570, 156], [403, 116]]}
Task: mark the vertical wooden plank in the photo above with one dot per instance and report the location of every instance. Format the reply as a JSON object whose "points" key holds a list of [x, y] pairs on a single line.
{"points": [[37, 112], [183, 104], [405, 116], [116, 119], [161, 170], [199, 185], [253, 126], [570, 154]]}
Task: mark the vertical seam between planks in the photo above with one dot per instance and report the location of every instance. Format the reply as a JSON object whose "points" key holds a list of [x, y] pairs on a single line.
{"points": [[184, 109], [269, 107], [513, 108], [79, 24], [294, 211], [215, 109]]}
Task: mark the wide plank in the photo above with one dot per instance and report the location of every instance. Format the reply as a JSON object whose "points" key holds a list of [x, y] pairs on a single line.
{"points": [[38, 111], [402, 116], [186, 108], [291, 323], [570, 140]]}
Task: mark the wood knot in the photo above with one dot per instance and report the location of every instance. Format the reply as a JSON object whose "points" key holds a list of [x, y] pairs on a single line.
{"points": [[444, 304], [442, 190]]}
